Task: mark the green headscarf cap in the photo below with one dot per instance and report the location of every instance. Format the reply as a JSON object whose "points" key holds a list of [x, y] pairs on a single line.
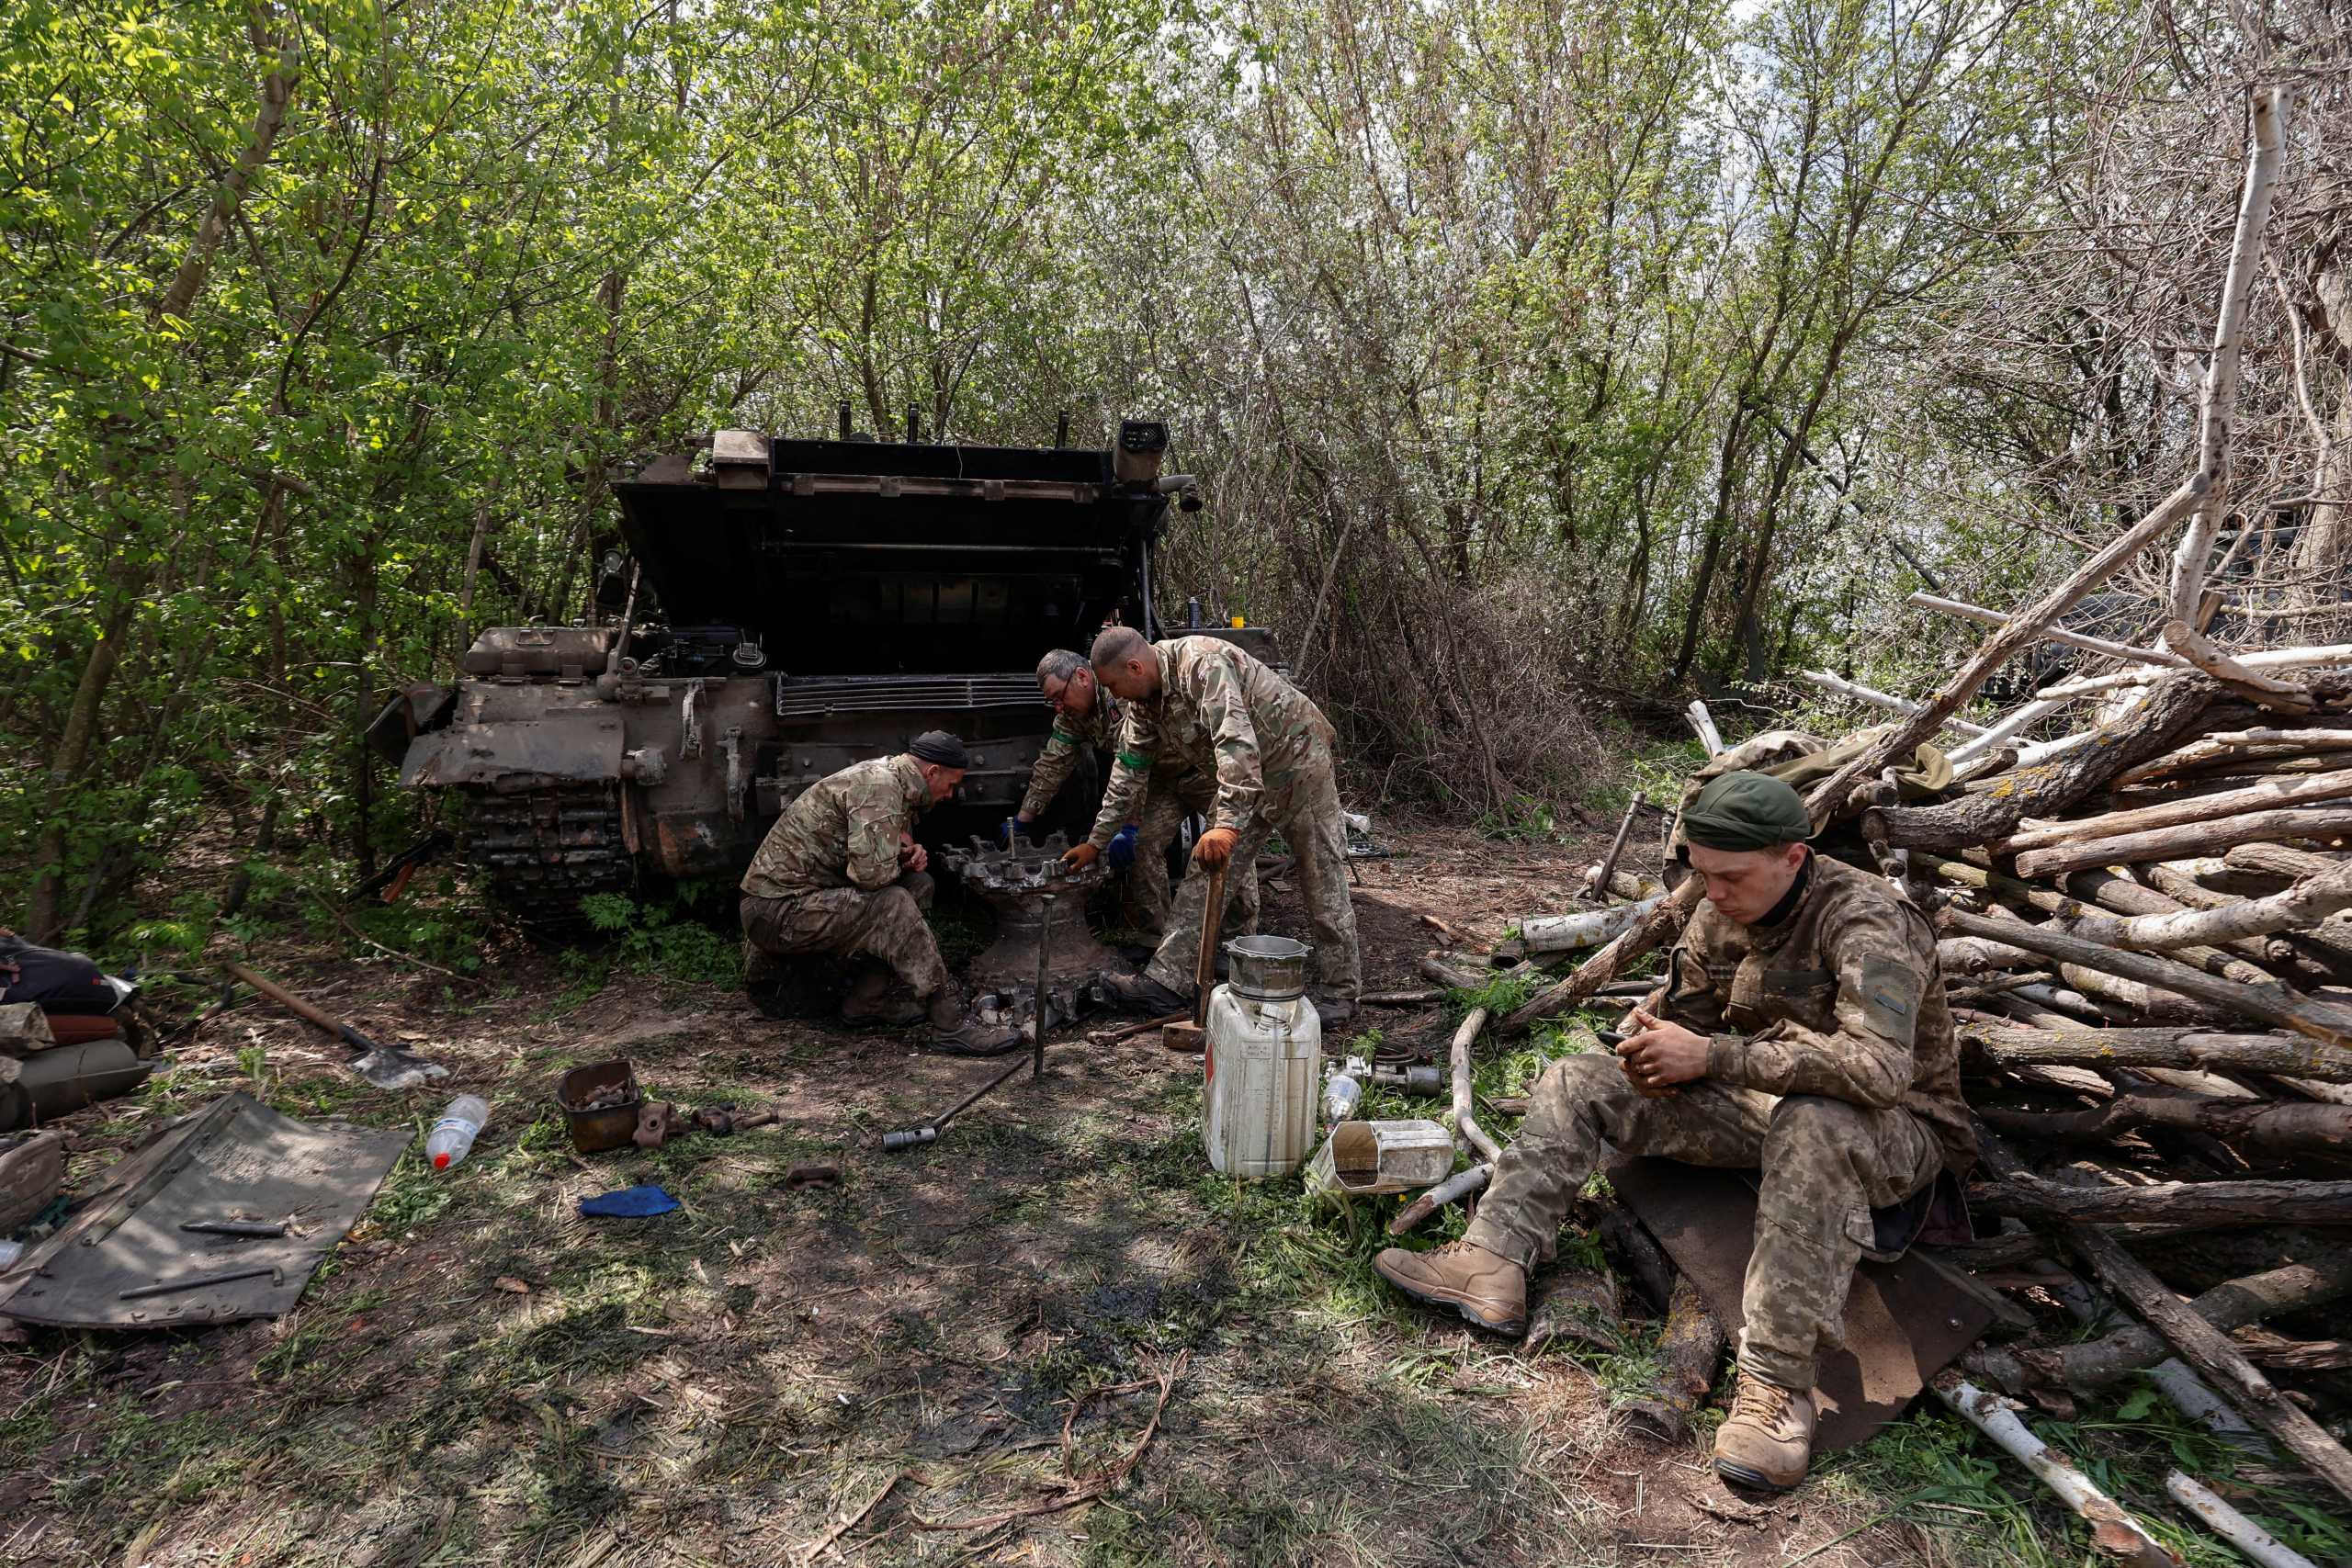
{"points": [[1746, 811]]}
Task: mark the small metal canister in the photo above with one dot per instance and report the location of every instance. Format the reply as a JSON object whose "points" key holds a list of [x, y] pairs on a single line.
{"points": [[1268, 968]]}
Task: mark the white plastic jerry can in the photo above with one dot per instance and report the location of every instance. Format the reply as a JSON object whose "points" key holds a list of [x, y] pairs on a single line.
{"points": [[1259, 1076]]}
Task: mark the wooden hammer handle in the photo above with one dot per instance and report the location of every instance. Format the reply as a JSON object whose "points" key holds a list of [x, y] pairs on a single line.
{"points": [[285, 999], [1205, 972]]}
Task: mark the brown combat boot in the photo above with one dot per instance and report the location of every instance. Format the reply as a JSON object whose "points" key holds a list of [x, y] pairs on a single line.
{"points": [[1491, 1291], [962, 1034], [1767, 1439], [880, 996]]}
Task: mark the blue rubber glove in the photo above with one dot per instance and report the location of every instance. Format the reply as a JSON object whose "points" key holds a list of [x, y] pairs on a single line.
{"points": [[1122, 851]]}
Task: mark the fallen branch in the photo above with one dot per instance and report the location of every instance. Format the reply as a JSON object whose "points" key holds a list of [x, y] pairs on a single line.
{"points": [[1838, 685], [2260, 1547], [2304, 905], [2189, 838], [2255, 1124], [2016, 1045], [1661, 925], [2264, 691], [1084, 1489], [2272, 794], [2059, 635], [2170, 1202], [2329, 1023], [2227, 745], [2114, 1532], [2209, 1349]]}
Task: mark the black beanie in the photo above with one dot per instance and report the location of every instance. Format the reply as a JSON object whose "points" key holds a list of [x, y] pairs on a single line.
{"points": [[939, 747]]}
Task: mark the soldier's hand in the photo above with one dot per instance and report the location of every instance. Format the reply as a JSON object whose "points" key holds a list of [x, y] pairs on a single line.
{"points": [[1079, 856], [911, 855], [1216, 846], [1661, 1054]]}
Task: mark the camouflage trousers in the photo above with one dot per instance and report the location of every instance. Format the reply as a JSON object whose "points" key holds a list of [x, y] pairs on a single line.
{"points": [[1171, 797], [1302, 801], [1826, 1164], [886, 924]]}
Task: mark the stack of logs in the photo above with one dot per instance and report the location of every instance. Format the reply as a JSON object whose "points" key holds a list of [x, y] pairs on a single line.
{"points": [[2146, 939], [2145, 935]]}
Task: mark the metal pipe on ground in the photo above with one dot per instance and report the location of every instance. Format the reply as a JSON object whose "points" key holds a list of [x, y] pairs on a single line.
{"points": [[1465, 1125]]}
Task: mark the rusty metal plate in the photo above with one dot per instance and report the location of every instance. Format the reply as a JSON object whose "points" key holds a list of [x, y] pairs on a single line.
{"points": [[1904, 1322], [577, 747], [236, 1159]]}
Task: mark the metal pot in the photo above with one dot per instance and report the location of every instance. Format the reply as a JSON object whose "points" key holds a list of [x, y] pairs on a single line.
{"points": [[1268, 968]]}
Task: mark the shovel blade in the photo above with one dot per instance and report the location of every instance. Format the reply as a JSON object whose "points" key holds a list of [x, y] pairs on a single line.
{"points": [[388, 1068]]}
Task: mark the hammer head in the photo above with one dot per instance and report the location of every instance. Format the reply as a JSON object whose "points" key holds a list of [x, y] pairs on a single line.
{"points": [[1185, 1036]]}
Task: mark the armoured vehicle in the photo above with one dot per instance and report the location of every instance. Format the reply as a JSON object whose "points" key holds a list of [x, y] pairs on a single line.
{"points": [[787, 607]]}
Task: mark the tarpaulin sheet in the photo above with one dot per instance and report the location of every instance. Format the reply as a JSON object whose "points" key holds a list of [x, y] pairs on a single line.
{"points": [[234, 1159]]}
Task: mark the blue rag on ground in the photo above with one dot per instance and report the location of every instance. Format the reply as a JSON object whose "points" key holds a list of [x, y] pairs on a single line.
{"points": [[629, 1203]]}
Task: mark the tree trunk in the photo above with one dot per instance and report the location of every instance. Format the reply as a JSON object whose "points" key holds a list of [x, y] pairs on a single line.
{"points": [[2018, 1045], [127, 575], [2269, 795], [1661, 925], [2189, 838], [2098, 1363], [2048, 788], [2273, 1003], [2255, 1124]]}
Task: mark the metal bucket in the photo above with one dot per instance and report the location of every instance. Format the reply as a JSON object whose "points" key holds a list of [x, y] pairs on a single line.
{"points": [[595, 1127], [1268, 968]]}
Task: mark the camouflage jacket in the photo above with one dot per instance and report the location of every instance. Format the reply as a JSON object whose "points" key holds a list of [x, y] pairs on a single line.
{"points": [[1842, 999], [1097, 731], [841, 831], [1220, 714]]}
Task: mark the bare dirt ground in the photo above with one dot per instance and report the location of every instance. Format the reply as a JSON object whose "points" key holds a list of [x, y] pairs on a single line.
{"points": [[1052, 1337]]}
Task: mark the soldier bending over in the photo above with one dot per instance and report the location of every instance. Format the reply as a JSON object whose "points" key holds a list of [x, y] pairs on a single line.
{"points": [[1802, 1031], [841, 873], [1086, 717], [1204, 701]]}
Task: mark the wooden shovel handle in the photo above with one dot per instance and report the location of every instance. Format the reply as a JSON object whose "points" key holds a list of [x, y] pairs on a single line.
{"points": [[1205, 972], [285, 999]]}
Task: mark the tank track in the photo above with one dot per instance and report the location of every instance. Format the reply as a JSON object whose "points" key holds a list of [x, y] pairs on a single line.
{"points": [[540, 852]]}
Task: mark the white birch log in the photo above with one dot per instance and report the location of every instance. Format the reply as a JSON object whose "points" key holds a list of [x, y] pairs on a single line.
{"points": [[2268, 796], [2257, 1544], [1822, 680], [2217, 398], [2258, 658], [2278, 695], [2059, 635], [1705, 724], [2114, 1532], [2006, 725]]}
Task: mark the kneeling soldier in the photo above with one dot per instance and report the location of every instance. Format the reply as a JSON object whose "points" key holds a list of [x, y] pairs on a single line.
{"points": [[1802, 1031], [841, 873]]}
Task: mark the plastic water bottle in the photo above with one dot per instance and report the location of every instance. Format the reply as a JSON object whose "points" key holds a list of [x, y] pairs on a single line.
{"points": [[454, 1133], [1341, 1094]]}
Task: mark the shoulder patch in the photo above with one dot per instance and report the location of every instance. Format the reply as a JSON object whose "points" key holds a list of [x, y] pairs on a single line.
{"points": [[1890, 998]]}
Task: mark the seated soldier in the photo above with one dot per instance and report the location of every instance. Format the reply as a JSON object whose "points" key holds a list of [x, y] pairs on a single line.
{"points": [[1802, 1031], [841, 873]]}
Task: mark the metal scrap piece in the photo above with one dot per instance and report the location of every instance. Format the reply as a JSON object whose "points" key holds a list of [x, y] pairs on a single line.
{"points": [[235, 1156]]}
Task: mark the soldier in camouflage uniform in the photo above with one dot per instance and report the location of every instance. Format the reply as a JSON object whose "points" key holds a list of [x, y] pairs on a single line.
{"points": [[841, 873], [1086, 718], [1802, 1031], [1229, 717]]}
